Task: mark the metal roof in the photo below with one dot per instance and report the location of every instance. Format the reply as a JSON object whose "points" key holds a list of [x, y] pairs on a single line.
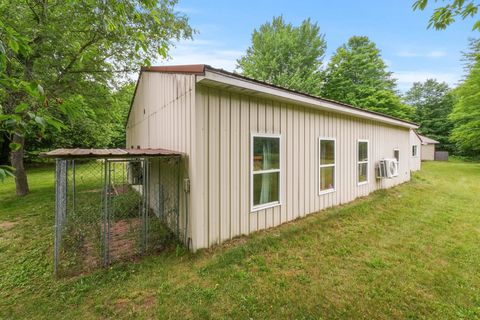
{"points": [[200, 69], [427, 140], [109, 153]]}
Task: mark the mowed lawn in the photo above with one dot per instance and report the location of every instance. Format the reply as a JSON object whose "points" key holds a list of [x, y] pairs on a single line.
{"points": [[411, 252]]}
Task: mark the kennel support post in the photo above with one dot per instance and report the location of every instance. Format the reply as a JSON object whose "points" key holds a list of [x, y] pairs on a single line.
{"points": [[105, 215], [146, 204], [60, 207]]}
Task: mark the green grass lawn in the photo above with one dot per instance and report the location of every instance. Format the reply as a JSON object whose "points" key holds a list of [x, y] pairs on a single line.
{"points": [[409, 252]]}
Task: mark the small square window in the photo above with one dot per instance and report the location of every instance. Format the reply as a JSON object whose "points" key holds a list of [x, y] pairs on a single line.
{"points": [[396, 155]]}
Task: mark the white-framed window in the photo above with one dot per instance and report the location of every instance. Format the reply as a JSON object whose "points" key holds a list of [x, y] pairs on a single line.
{"points": [[396, 155], [326, 164], [265, 183], [414, 150], [362, 162]]}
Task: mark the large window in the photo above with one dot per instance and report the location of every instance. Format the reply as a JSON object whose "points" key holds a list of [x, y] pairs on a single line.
{"points": [[326, 165], [265, 180], [414, 150], [362, 161]]}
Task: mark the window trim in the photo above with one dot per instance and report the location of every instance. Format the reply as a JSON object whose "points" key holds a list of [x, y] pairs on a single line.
{"points": [[416, 150], [362, 162], [334, 165], [263, 206]]}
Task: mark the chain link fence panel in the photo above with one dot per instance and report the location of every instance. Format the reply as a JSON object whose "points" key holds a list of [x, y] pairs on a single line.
{"points": [[110, 210]]}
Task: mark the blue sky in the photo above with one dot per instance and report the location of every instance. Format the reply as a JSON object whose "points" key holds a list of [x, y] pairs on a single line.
{"points": [[411, 51]]}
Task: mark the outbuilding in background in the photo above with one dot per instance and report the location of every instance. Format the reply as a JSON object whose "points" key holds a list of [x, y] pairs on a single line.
{"points": [[428, 148]]}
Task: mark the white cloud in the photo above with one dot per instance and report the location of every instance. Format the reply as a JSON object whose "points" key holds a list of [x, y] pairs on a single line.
{"points": [[429, 54], [405, 79], [203, 52], [436, 54], [406, 53]]}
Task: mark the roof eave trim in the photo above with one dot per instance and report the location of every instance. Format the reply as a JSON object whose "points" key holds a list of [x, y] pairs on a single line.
{"points": [[197, 69], [220, 77]]}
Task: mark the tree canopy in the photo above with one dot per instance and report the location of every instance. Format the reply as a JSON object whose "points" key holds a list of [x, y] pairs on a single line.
{"points": [[101, 124], [472, 56], [433, 102], [357, 75], [52, 53], [466, 114], [286, 55], [445, 15]]}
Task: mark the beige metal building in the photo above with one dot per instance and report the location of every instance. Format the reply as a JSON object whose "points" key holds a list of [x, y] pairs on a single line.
{"points": [[258, 155], [428, 148]]}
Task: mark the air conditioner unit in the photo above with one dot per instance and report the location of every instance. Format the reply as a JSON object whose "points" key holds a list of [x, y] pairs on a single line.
{"points": [[387, 168]]}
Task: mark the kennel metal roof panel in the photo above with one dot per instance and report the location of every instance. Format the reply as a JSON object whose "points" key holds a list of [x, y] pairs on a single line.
{"points": [[109, 153]]}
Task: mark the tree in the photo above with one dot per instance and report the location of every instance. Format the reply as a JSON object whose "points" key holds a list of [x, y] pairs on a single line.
{"points": [[472, 56], [357, 75], [433, 102], [466, 114], [101, 123], [286, 55], [444, 16], [68, 46], [119, 113], [28, 115]]}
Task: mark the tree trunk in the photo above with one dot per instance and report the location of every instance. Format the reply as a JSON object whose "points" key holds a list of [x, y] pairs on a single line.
{"points": [[17, 162]]}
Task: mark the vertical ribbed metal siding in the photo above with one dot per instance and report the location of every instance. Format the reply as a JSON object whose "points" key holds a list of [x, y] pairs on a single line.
{"points": [[162, 116], [225, 121]]}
